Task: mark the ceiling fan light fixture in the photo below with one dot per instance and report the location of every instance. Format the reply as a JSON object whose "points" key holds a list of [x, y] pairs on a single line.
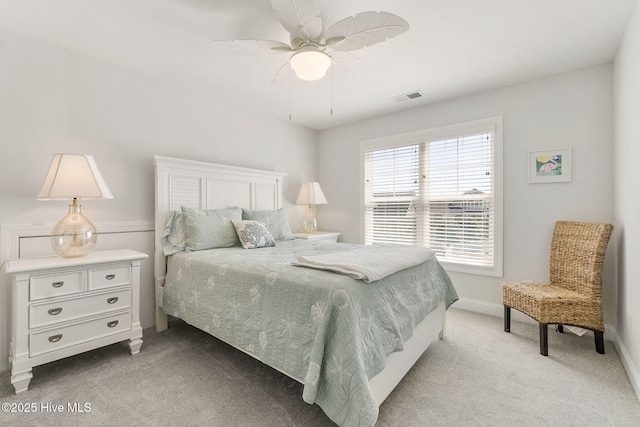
{"points": [[310, 65]]}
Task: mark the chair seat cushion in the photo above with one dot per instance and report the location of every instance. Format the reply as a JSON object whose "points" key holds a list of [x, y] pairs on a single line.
{"points": [[554, 304]]}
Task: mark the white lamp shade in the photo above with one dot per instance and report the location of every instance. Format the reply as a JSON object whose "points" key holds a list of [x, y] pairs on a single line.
{"points": [[310, 64], [74, 176], [311, 194]]}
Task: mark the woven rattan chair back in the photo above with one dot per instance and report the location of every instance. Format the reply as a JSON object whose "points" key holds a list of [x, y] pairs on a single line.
{"points": [[577, 256]]}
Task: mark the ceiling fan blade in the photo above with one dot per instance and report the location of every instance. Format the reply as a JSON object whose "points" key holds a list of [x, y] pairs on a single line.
{"points": [[364, 29], [251, 47], [347, 63], [282, 76], [300, 17]]}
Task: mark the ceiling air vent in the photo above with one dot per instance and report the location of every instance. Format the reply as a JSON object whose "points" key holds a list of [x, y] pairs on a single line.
{"points": [[408, 96]]}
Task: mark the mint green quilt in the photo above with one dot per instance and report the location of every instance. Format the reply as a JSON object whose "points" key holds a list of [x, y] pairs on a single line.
{"points": [[329, 331]]}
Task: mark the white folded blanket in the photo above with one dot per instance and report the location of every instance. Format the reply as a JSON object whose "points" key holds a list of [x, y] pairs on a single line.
{"points": [[368, 263]]}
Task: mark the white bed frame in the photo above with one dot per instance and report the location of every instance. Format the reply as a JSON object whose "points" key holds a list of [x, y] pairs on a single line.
{"points": [[203, 185]]}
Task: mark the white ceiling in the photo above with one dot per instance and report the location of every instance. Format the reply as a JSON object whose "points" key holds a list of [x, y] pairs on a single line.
{"points": [[452, 48]]}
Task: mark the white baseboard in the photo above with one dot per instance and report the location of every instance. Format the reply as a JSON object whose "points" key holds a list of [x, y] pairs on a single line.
{"points": [[491, 309], [497, 310], [610, 333], [627, 362]]}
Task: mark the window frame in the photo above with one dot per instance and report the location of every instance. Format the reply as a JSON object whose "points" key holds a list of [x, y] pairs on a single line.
{"points": [[493, 124]]}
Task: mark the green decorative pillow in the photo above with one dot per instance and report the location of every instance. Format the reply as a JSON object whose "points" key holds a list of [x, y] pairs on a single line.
{"points": [[208, 229], [253, 234], [275, 221], [173, 239]]}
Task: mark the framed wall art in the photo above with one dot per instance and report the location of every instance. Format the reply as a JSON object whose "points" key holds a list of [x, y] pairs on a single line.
{"points": [[547, 166]]}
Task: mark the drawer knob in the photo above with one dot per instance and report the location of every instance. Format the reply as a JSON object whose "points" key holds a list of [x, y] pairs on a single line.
{"points": [[112, 324], [55, 311], [57, 284], [110, 276], [55, 338], [112, 300]]}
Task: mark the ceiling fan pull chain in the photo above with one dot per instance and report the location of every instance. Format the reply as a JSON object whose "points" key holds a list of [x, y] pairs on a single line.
{"points": [[289, 93], [331, 76]]}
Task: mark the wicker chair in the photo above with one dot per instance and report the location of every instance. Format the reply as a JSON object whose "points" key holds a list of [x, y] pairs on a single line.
{"points": [[574, 296]]}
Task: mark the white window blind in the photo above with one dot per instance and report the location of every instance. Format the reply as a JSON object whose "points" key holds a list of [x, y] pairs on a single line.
{"points": [[392, 189], [438, 189]]}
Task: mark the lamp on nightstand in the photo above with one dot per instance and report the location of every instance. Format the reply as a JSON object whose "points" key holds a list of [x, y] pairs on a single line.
{"points": [[74, 176], [310, 194]]}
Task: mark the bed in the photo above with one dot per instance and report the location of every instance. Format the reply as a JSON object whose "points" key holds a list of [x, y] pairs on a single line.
{"points": [[347, 341]]}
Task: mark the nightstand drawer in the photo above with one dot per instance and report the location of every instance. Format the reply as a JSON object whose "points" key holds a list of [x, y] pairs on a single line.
{"points": [[109, 277], [70, 309], [66, 306], [54, 285], [57, 338]]}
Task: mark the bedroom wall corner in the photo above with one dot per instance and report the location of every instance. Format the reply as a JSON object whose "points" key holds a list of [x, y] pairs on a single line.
{"points": [[570, 109], [626, 237]]}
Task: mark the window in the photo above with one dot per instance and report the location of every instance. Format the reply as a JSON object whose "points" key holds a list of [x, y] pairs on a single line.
{"points": [[440, 188]]}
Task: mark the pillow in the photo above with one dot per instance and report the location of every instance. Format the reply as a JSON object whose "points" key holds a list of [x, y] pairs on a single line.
{"points": [[172, 240], [208, 229], [253, 234], [275, 221]]}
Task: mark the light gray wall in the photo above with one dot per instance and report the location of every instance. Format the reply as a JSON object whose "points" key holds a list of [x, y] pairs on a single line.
{"points": [[627, 196], [572, 109], [53, 100]]}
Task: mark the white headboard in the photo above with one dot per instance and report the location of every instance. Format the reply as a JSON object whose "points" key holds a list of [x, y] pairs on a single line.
{"points": [[204, 185]]}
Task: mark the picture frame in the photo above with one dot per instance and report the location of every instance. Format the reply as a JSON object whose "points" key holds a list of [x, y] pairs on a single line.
{"points": [[550, 166]]}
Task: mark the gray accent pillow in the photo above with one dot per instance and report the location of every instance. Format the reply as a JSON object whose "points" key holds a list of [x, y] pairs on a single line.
{"points": [[212, 228], [275, 221], [253, 234], [173, 239]]}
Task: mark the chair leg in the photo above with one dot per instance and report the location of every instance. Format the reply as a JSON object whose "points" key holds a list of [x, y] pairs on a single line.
{"points": [[544, 339], [561, 329], [507, 318], [599, 336]]}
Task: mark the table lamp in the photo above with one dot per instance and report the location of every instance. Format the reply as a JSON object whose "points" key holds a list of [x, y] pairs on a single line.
{"points": [[74, 176], [310, 194]]}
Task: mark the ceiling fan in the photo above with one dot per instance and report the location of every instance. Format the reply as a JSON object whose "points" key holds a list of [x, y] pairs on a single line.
{"points": [[314, 49]]}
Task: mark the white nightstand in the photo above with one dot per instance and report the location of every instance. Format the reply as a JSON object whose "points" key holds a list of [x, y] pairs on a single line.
{"points": [[66, 306], [329, 236]]}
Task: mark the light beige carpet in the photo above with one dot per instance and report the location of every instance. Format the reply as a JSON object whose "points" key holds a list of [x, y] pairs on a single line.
{"points": [[479, 375]]}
